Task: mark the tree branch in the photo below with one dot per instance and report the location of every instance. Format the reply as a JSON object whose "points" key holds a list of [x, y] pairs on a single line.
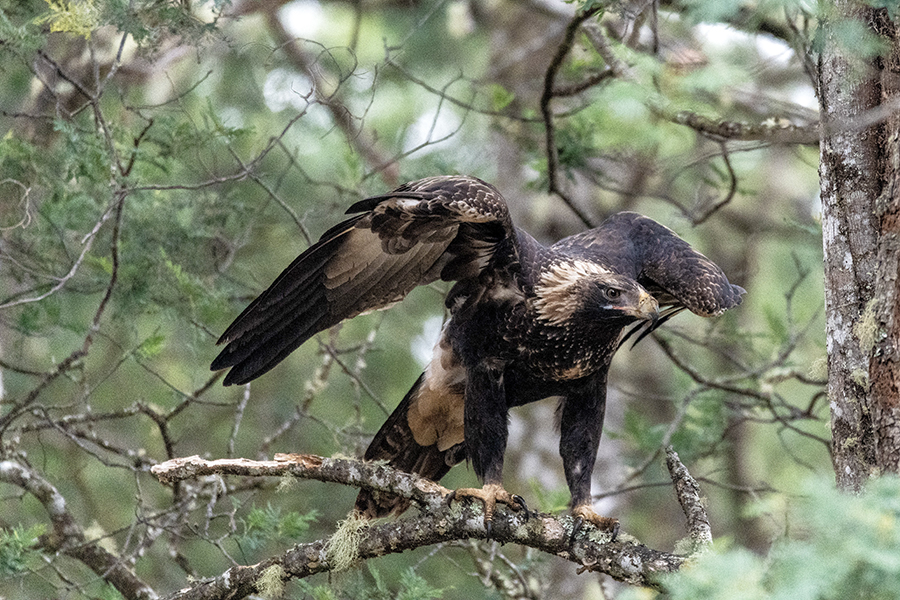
{"points": [[547, 96], [68, 537], [688, 492], [364, 144], [438, 522], [773, 131]]}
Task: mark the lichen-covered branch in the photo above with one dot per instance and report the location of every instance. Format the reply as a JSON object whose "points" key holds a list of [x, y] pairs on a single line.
{"points": [[437, 522], [773, 131], [688, 492], [68, 537], [370, 475]]}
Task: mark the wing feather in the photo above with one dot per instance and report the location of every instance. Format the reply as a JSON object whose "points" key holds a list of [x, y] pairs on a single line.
{"points": [[667, 266], [440, 227]]}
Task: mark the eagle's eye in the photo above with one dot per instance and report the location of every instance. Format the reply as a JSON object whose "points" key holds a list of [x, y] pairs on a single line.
{"points": [[612, 293]]}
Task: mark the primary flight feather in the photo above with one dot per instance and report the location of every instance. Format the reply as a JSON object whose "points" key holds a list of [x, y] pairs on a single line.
{"points": [[526, 322]]}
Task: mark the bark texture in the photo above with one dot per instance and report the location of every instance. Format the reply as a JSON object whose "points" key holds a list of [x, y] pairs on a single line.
{"points": [[437, 522], [859, 222], [884, 367]]}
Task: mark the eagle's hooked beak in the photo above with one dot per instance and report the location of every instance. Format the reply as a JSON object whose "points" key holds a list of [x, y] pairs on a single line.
{"points": [[647, 308]]}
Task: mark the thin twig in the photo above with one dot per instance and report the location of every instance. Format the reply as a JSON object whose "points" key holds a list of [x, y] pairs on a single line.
{"points": [[547, 96], [69, 538]]}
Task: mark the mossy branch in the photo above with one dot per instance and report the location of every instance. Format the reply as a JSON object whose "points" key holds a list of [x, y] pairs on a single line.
{"points": [[437, 522]]}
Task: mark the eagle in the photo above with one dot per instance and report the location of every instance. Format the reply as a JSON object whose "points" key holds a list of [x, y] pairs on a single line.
{"points": [[526, 322]]}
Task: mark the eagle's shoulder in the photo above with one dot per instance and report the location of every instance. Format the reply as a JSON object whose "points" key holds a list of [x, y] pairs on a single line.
{"points": [[619, 242], [453, 197]]}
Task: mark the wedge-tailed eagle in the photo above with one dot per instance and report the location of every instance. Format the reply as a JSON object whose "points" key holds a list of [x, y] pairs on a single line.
{"points": [[526, 322]]}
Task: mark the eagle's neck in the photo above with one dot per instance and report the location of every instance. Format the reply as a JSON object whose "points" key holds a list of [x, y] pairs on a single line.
{"points": [[565, 340], [571, 351]]}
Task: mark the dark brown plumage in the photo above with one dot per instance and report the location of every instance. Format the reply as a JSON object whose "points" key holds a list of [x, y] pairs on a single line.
{"points": [[526, 321]]}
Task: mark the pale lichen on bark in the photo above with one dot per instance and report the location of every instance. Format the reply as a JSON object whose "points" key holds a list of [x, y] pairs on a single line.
{"points": [[849, 175], [623, 559], [861, 227]]}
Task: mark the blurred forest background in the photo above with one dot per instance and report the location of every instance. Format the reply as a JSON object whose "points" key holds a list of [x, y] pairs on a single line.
{"points": [[161, 161]]}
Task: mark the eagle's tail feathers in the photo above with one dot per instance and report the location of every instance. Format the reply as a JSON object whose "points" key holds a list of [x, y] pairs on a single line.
{"points": [[396, 444]]}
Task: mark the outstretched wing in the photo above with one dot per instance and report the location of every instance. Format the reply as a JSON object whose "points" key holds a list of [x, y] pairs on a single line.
{"points": [[436, 228], [678, 276]]}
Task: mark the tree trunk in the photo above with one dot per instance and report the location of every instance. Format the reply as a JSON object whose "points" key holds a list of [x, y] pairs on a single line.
{"points": [[884, 366], [858, 169]]}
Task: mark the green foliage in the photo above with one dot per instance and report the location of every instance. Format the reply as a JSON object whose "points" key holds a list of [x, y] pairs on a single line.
{"points": [[78, 17], [23, 38], [266, 525], [547, 499], [411, 586], [836, 547], [857, 39], [108, 592], [587, 5], [501, 97], [152, 346], [17, 549], [699, 432], [639, 430], [200, 170], [704, 424], [713, 11], [739, 12], [414, 587], [149, 23]]}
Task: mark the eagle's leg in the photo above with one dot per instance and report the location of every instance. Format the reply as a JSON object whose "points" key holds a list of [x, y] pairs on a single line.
{"points": [[581, 424], [486, 432]]}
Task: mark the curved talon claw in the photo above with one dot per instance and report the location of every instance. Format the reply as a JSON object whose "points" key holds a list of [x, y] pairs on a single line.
{"points": [[614, 532], [490, 495], [524, 507], [586, 513], [577, 522]]}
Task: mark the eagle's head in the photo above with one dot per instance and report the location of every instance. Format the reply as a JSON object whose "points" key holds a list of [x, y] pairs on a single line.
{"points": [[584, 291]]}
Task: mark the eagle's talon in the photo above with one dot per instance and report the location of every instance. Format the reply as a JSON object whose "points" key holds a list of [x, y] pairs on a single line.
{"points": [[614, 532], [524, 507], [490, 495], [586, 513], [577, 522]]}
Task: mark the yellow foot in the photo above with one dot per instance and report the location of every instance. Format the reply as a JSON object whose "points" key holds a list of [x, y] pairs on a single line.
{"points": [[586, 513], [490, 495]]}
